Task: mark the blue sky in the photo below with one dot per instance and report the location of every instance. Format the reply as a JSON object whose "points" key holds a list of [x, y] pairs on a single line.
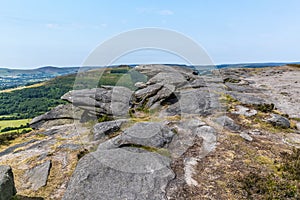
{"points": [[36, 33]]}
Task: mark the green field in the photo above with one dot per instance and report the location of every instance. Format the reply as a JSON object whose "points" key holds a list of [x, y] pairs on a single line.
{"points": [[13, 123], [4, 124]]}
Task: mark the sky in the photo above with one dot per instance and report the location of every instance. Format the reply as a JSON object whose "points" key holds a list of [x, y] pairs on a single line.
{"points": [[35, 33]]}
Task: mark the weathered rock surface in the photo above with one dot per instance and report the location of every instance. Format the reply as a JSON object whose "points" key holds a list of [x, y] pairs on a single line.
{"points": [[153, 70], [62, 114], [106, 100], [228, 123], [281, 87], [298, 125], [140, 85], [124, 168], [246, 137], [120, 174], [171, 147], [241, 110], [149, 91], [194, 101], [150, 134], [279, 121], [38, 175], [125, 171], [103, 129], [165, 92], [14, 147], [249, 98], [168, 78], [7, 185]]}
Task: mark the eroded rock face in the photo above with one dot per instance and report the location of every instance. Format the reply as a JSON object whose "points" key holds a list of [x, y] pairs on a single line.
{"points": [[103, 129], [153, 70], [106, 100], [122, 169], [38, 175], [169, 78], [149, 91], [146, 134], [62, 114], [7, 185], [119, 174]]}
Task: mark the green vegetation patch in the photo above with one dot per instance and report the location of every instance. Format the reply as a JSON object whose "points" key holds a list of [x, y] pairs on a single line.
{"points": [[281, 185]]}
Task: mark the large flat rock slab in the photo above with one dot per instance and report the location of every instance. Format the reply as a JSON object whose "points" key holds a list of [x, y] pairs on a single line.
{"points": [[38, 175], [120, 174]]}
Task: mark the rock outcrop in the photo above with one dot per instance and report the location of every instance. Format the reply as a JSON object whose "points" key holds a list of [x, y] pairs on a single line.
{"points": [[62, 114], [165, 140], [7, 185], [136, 164], [124, 168], [106, 100]]}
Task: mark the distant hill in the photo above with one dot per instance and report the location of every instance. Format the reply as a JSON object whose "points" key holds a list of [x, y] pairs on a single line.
{"points": [[48, 69], [254, 65], [206, 69], [11, 78]]}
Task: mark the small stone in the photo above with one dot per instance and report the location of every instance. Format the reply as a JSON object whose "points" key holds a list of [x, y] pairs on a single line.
{"points": [[298, 126], [246, 137], [70, 146], [279, 121], [241, 110], [255, 132], [140, 85], [228, 123]]}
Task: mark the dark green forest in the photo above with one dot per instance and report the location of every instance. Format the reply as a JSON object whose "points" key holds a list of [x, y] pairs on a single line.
{"points": [[30, 102]]}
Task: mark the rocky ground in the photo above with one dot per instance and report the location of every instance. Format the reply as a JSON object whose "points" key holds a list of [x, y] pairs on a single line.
{"points": [[230, 135]]}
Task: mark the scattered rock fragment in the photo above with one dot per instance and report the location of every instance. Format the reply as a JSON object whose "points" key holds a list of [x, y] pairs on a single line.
{"points": [[140, 85], [298, 126], [228, 123], [279, 121], [241, 110], [255, 132], [246, 137], [38, 175]]}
